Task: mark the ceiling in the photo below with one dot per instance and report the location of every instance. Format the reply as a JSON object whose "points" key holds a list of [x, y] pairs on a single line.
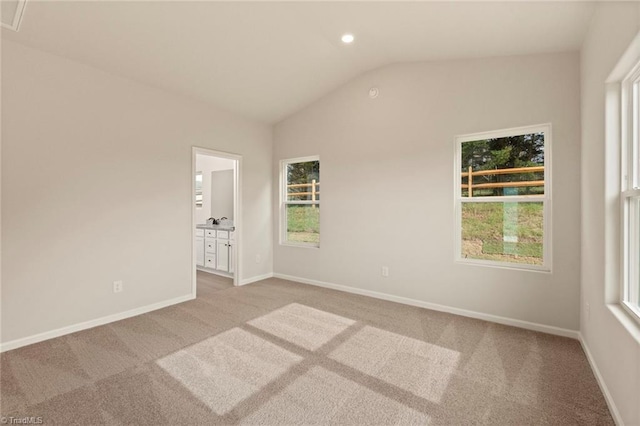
{"points": [[266, 60]]}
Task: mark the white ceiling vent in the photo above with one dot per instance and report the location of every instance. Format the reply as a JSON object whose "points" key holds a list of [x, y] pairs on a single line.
{"points": [[11, 12]]}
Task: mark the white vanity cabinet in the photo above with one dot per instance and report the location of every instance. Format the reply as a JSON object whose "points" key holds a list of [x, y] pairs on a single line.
{"points": [[223, 255], [214, 250], [199, 242], [210, 249], [199, 251], [225, 247], [210, 246], [232, 244]]}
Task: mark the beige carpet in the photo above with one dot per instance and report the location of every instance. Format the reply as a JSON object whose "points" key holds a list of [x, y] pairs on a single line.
{"points": [[281, 353]]}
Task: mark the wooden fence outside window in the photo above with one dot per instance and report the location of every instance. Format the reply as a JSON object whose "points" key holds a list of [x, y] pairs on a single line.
{"points": [[314, 186], [470, 174], [314, 191]]}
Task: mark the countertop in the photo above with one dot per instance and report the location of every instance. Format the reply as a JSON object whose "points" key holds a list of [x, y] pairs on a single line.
{"points": [[217, 227]]}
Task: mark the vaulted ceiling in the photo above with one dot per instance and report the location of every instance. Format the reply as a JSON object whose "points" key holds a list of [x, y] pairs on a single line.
{"points": [[266, 60]]}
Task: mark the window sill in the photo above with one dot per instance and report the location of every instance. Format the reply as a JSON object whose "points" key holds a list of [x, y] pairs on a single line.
{"points": [[629, 323], [504, 265], [301, 245]]}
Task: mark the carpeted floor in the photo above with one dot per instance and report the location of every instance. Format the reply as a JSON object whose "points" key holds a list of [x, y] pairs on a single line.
{"points": [[280, 353]]}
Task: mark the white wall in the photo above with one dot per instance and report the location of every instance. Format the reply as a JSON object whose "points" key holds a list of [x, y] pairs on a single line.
{"points": [[387, 182], [208, 164], [96, 187], [616, 353]]}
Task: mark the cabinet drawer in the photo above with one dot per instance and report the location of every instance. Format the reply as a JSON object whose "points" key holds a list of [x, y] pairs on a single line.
{"points": [[223, 234], [210, 233], [232, 235], [210, 245], [199, 232], [210, 262]]}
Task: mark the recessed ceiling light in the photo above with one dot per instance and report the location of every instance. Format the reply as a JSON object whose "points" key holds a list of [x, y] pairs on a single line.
{"points": [[347, 38]]}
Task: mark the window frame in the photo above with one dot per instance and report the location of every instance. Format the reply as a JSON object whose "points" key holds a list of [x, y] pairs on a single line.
{"points": [[546, 198], [630, 191], [284, 202]]}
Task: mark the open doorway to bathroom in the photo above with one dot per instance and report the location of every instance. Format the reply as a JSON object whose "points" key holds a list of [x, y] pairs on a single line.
{"points": [[216, 216]]}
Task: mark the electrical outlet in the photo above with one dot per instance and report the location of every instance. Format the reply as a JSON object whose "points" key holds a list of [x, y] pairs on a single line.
{"points": [[587, 310], [117, 286], [385, 271], [258, 258]]}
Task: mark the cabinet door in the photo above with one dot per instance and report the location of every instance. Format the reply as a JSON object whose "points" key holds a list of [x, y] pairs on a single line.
{"points": [[223, 255], [199, 242], [231, 256]]}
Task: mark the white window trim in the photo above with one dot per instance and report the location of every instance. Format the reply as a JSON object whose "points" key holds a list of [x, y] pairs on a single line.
{"points": [[629, 186], [547, 249], [284, 202], [614, 240]]}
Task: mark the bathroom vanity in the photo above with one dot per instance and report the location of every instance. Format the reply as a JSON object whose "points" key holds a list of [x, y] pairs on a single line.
{"points": [[215, 246]]}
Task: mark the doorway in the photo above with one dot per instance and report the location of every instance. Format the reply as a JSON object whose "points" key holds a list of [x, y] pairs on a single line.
{"points": [[216, 218]]}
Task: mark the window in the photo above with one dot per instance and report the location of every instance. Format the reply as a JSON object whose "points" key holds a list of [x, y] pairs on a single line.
{"points": [[198, 189], [300, 206], [630, 191], [503, 201]]}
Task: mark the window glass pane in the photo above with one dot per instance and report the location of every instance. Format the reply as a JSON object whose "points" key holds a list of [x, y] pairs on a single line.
{"points": [[634, 153], [512, 165], [303, 181], [303, 223], [504, 232], [633, 228], [636, 255], [198, 189]]}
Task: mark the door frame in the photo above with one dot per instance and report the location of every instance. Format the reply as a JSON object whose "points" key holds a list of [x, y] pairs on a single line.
{"points": [[237, 211]]}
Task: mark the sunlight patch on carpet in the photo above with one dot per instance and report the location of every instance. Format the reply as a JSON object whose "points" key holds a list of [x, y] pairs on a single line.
{"points": [[301, 325], [224, 370], [415, 366], [323, 397]]}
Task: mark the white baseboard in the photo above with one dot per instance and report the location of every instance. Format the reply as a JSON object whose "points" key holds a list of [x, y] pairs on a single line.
{"points": [[17, 343], [256, 278], [574, 334], [603, 386]]}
